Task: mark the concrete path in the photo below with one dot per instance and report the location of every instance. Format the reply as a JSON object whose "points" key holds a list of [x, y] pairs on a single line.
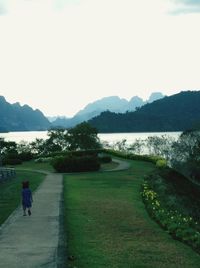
{"points": [[32, 242], [122, 165]]}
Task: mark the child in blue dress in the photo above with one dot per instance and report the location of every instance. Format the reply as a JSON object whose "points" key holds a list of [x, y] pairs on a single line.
{"points": [[26, 198]]}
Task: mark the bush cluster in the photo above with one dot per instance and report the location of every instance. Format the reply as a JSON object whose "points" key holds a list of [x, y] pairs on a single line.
{"points": [[75, 163], [181, 227], [104, 158], [25, 156], [161, 163], [76, 153], [43, 160], [147, 158], [12, 161]]}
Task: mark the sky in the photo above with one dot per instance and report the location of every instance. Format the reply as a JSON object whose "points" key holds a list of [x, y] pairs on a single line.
{"points": [[60, 55]]}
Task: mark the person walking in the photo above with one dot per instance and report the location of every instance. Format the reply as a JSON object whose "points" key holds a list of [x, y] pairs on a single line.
{"points": [[26, 198]]}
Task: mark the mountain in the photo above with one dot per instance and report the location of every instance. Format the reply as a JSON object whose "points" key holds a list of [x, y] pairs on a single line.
{"points": [[53, 118], [14, 117], [112, 103], [155, 96], [178, 112]]}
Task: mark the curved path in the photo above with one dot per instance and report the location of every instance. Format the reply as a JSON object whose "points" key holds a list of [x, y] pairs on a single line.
{"points": [[32, 242], [122, 165]]}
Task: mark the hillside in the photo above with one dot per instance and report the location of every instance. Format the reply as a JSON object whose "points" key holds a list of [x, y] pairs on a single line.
{"points": [[14, 117], [112, 104], [174, 113]]}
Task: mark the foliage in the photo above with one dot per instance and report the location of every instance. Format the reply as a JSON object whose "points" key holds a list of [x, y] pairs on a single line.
{"points": [[137, 147], [38, 147], [182, 227], [25, 156], [185, 155], [161, 163], [147, 158], [176, 191], [83, 137], [105, 158], [7, 147], [12, 161], [58, 140], [43, 160], [178, 112], [75, 163]]}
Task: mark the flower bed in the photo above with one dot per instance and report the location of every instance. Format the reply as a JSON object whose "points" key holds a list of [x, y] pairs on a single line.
{"points": [[181, 227]]}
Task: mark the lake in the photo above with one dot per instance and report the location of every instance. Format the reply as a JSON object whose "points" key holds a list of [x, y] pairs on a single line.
{"points": [[111, 138]]}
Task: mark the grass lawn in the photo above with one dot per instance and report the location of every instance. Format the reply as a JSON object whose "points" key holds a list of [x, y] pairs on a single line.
{"points": [[35, 166], [10, 191], [108, 226]]}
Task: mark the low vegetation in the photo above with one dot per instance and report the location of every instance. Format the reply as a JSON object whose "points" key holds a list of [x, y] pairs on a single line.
{"points": [[107, 224], [10, 191], [173, 201], [76, 164]]}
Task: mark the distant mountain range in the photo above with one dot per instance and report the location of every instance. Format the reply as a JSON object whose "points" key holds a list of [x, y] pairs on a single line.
{"points": [[178, 112], [14, 117], [112, 104]]}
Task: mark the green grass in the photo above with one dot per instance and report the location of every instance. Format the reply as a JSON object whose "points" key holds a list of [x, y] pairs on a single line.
{"points": [[10, 191], [35, 166], [107, 224]]}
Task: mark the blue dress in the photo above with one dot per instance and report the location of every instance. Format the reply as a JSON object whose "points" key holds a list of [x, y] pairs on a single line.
{"points": [[26, 198]]}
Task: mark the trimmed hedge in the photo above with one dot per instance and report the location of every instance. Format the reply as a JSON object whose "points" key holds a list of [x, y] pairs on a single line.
{"points": [[75, 153], [12, 161], [148, 158], [105, 159], [75, 163]]}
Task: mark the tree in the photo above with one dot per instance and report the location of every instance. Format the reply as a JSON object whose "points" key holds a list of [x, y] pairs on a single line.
{"points": [[83, 137], [160, 146], [186, 154], [58, 140], [39, 147]]}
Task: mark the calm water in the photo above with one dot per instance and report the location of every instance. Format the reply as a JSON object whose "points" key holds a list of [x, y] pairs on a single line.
{"points": [[111, 138]]}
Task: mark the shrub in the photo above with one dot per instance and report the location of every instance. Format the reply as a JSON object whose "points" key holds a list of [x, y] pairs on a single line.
{"points": [[75, 163], [12, 161], [147, 158], [161, 163], [105, 158], [43, 160], [181, 227], [26, 156], [76, 153]]}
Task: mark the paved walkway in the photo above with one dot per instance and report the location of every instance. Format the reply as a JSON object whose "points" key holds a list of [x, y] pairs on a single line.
{"points": [[32, 242], [122, 165]]}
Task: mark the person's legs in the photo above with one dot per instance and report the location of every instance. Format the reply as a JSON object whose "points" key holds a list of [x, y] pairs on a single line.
{"points": [[24, 209], [29, 211]]}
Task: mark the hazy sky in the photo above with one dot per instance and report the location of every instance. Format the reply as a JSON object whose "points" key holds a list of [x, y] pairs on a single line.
{"points": [[59, 55]]}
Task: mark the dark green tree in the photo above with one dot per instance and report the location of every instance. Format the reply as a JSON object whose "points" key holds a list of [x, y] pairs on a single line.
{"points": [[83, 137]]}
